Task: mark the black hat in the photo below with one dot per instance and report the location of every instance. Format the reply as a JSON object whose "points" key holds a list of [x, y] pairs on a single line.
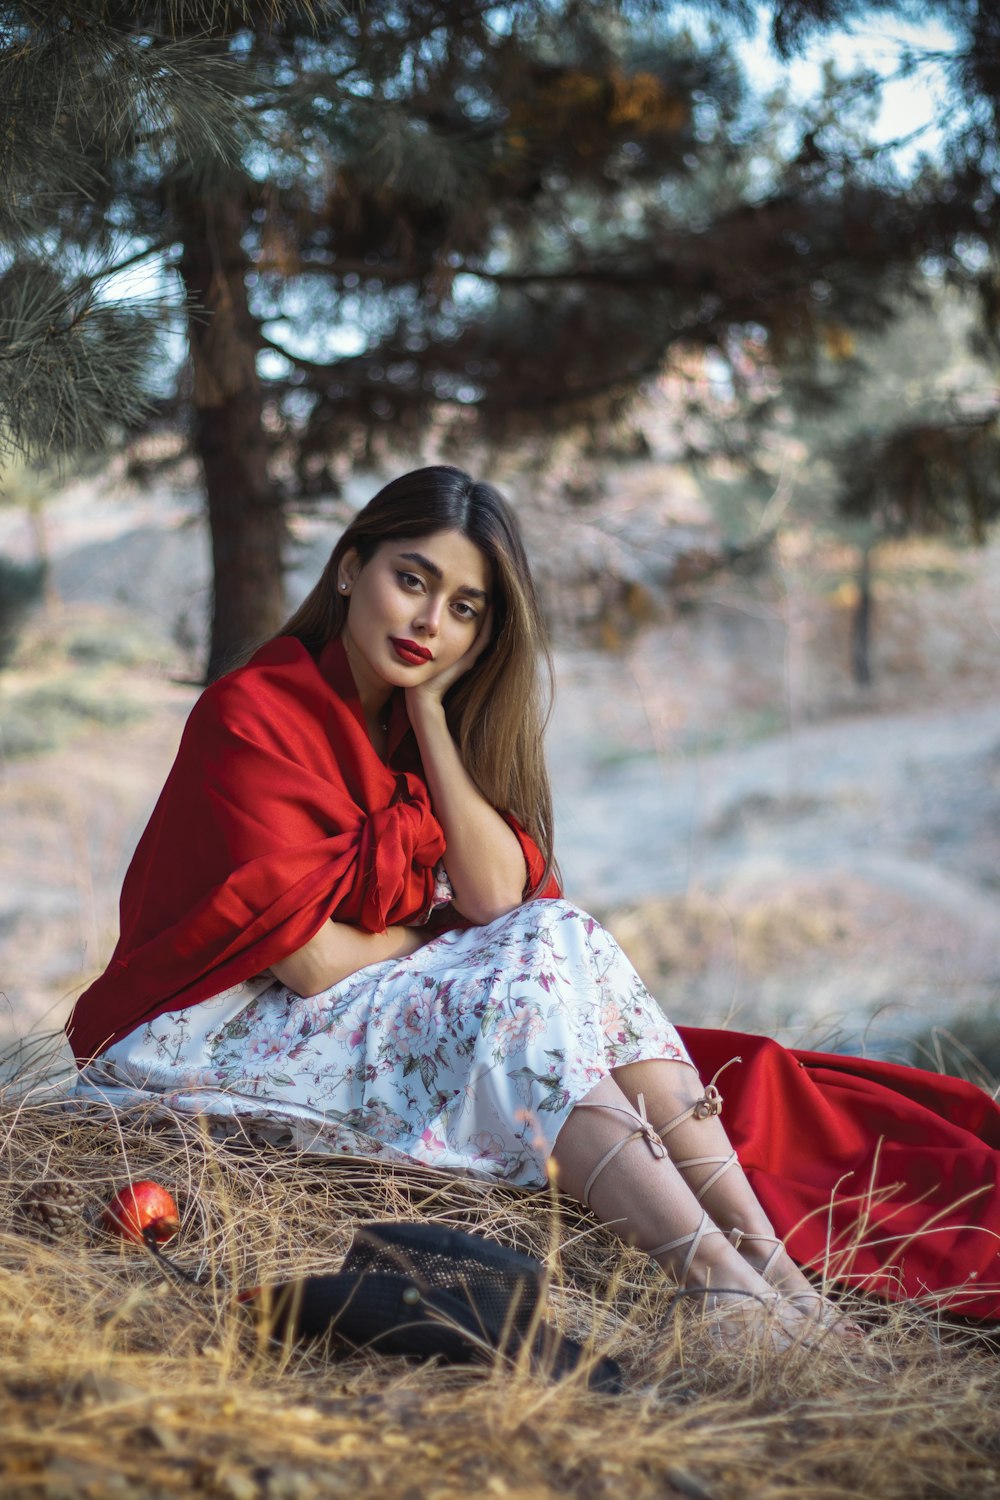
{"points": [[419, 1289]]}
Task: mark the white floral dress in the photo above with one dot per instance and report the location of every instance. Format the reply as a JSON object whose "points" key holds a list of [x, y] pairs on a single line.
{"points": [[467, 1055]]}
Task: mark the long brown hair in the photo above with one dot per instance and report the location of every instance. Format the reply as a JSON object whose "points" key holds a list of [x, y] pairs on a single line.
{"points": [[498, 710]]}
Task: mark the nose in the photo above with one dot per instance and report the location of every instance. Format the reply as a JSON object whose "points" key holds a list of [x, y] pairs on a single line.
{"points": [[428, 616]]}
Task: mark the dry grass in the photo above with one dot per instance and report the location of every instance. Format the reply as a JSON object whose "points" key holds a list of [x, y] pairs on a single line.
{"points": [[115, 1381]]}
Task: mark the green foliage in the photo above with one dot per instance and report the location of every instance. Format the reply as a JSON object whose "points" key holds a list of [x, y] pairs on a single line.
{"points": [[925, 476], [620, 197], [496, 221], [95, 99], [968, 1047], [515, 214], [901, 427], [44, 717], [71, 366], [82, 91]]}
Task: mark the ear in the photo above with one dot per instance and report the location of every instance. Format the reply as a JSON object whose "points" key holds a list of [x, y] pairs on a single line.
{"points": [[347, 572]]}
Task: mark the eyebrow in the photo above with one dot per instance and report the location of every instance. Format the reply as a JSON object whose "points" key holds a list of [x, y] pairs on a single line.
{"points": [[435, 572]]}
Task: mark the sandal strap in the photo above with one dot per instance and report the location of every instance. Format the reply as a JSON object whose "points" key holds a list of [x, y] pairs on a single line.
{"points": [[692, 1240], [643, 1131], [704, 1108], [722, 1164], [738, 1237]]}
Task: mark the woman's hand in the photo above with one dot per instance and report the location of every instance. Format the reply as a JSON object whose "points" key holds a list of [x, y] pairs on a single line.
{"points": [[483, 857], [433, 689]]}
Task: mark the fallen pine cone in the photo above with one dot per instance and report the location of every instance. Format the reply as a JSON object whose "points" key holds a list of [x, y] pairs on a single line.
{"points": [[56, 1206]]}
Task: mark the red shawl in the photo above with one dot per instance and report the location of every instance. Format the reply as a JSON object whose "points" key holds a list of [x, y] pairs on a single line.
{"points": [[276, 815]]}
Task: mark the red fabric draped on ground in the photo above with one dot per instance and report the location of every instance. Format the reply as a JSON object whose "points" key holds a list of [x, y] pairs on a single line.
{"points": [[884, 1177]]}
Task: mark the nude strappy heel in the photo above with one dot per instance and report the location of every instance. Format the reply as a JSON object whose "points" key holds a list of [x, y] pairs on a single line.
{"points": [[825, 1312], [727, 1309], [705, 1108], [645, 1132]]}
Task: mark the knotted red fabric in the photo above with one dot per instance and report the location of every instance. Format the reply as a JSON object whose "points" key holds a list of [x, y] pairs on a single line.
{"points": [[883, 1178], [276, 815]]}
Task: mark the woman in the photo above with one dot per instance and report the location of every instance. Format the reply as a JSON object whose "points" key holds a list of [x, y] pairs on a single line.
{"points": [[343, 911]]}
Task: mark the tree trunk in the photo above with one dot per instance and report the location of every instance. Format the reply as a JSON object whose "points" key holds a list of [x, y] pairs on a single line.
{"points": [[861, 623], [244, 507], [40, 532]]}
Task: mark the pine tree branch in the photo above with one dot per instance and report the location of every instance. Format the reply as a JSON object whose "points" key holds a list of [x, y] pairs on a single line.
{"points": [[92, 278], [657, 276], [449, 18]]}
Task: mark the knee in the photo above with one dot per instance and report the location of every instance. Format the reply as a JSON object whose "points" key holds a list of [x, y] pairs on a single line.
{"points": [[569, 926], [549, 913]]}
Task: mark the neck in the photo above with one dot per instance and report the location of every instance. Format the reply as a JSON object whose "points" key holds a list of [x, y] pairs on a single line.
{"points": [[374, 695]]}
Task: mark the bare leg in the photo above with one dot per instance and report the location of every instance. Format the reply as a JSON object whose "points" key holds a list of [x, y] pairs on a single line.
{"points": [[699, 1144], [606, 1156]]}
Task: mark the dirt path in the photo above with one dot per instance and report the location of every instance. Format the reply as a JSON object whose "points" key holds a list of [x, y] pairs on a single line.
{"points": [[839, 885], [909, 800]]}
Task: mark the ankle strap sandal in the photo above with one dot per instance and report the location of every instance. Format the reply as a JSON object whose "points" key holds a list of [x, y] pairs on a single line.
{"points": [[693, 1241], [705, 1108], [643, 1132], [738, 1237], [816, 1304]]}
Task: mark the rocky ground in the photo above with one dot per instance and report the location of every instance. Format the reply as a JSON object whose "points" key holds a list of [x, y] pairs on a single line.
{"points": [[778, 850]]}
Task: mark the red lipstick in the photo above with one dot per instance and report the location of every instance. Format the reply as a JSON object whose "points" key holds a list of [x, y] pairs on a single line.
{"points": [[410, 652]]}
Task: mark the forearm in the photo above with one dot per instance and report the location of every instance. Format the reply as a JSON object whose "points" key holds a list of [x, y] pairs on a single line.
{"points": [[339, 949], [483, 857]]}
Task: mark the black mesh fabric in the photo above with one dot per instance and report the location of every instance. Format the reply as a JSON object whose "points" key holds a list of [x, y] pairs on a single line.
{"points": [[374, 1311], [502, 1286], [422, 1290]]}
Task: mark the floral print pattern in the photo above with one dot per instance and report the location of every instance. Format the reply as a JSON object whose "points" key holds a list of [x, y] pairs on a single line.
{"points": [[467, 1055]]}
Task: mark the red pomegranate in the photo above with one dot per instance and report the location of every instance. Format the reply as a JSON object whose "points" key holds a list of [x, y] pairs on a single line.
{"points": [[141, 1210]]}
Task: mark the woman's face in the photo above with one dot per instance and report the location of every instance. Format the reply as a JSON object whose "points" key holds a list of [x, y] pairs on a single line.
{"points": [[414, 609]]}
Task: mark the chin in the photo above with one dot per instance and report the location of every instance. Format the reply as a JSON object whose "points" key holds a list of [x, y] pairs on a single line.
{"points": [[395, 675], [406, 674]]}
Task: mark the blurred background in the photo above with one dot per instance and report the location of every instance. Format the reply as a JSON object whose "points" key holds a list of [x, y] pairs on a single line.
{"points": [[711, 291]]}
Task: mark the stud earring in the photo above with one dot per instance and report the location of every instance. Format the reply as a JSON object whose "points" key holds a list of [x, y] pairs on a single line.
{"points": [[343, 588]]}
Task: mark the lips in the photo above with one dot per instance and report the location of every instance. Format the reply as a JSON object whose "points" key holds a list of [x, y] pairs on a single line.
{"points": [[410, 652]]}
